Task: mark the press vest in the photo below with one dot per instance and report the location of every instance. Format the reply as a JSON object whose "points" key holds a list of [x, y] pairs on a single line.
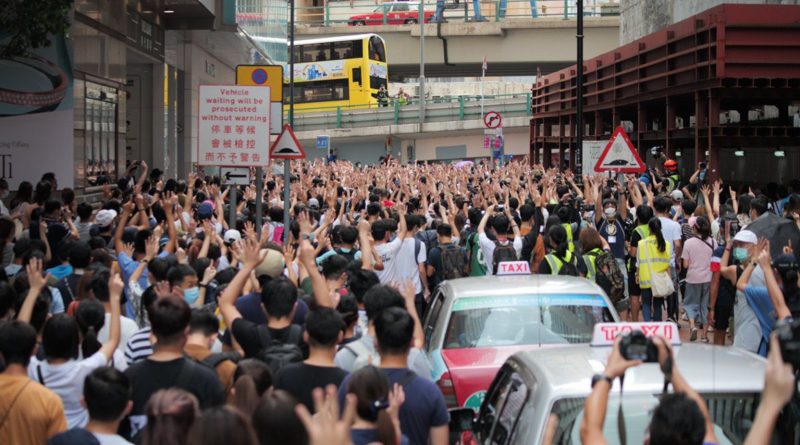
{"points": [[648, 254], [555, 262], [568, 228]]}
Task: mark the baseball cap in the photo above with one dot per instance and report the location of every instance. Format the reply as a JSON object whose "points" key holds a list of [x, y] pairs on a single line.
{"points": [[205, 211], [272, 265], [313, 203], [231, 236], [104, 218], [644, 179], [677, 195], [746, 236]]}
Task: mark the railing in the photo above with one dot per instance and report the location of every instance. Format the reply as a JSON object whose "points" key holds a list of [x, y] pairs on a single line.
{"points": [[437, 109], [342, 12]]}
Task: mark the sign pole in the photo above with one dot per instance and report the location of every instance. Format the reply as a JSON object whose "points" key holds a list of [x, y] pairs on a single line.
{"points": [[577, 152], [286, 162], [259, 200], [232, 210]]}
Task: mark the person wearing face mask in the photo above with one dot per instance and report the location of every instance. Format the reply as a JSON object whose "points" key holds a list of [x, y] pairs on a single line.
{"points": [[611, 220], [726, 267], [184, 283]]}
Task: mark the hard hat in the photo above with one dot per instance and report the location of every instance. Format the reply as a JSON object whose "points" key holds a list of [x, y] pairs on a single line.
{"points": [[670, 165]]}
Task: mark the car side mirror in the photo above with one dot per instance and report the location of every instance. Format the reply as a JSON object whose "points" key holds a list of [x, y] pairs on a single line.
{"points": [[461, 420]]}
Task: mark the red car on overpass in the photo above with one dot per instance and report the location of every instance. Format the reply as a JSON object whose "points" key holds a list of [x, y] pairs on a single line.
{"points": [[397, 13]]}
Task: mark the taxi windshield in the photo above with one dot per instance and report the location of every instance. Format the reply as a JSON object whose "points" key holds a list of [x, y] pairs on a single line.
{"points": [[732, 414], [524, 320]]}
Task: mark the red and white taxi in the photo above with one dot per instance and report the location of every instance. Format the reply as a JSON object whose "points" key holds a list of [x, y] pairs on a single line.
{"points": [[475, 324]]}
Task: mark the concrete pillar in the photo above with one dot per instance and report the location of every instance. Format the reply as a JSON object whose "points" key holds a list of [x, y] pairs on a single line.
{"points": [[713, 150], [641, 125], [158, 146], [700, 113], [670, 124]]}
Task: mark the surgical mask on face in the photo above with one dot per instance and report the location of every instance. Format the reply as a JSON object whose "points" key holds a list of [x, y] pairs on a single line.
{"points": [[740, 254], [610, 212], [191, 295]]}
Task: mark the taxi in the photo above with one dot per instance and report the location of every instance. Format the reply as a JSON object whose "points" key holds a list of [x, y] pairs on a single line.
{"points": [[538, 396], [474, 324]]}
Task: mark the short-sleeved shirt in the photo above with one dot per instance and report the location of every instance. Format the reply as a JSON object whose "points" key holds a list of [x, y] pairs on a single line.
{"points": [[698, 252], [35, 413], [616, 241], [247, 335], [435, 261], [487, 246], [251, 309], [138, 346], [66, 380], [299, 379], [671, 232], [403, 264], [149, 376], [423, 409], [759, 301]]}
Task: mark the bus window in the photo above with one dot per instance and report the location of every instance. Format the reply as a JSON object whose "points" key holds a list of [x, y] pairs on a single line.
{"points": [[325, 90], [376, 83], [357, 76], [376, 49], [342, 50]]}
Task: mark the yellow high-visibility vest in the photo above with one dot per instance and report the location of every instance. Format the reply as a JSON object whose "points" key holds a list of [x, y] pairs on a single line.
{"points": [[649, 257]]}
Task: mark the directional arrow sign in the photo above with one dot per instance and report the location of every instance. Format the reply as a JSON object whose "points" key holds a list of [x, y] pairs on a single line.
{"points": [[235, 176]]}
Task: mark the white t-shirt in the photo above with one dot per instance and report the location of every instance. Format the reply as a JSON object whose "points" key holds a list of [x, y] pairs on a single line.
{"points": [[487, 246], [127, 328], [66, 380], [400, 263], [671, 231], [111, 439]]}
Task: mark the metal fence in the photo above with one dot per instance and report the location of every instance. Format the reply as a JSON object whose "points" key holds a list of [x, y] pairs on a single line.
{"points": [[343, 12], [437, 109]]}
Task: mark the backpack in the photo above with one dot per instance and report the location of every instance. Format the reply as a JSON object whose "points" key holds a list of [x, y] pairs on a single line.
{"points": [[276, 354], [430, 238], [569, 268], [566, 267], [454, 265], [503, 252], [608, 276], [350, 256], [477, 262], [213, 360], [363, 355]]}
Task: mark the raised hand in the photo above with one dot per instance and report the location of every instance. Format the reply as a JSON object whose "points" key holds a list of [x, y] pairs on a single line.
{"points": [[115, 286], [34, 269]]}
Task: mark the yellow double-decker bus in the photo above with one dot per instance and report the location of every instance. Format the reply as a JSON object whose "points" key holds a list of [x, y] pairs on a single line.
{"points": [[346, 71]]}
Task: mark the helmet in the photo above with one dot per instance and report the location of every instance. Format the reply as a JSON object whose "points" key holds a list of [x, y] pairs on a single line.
{"points": [[670, 165]]}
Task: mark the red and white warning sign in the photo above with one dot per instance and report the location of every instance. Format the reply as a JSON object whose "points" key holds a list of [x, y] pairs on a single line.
{"points": [[620, 155], [287, 146], [493, 119], [233, 126]]}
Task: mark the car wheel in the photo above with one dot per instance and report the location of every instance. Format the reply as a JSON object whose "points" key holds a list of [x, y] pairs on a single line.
{"points": [[358, 23], [411, 21]]}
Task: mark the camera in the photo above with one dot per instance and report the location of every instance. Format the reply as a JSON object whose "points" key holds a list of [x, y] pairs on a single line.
{"points": [[788, 334], [635, 346], [702, 166]]}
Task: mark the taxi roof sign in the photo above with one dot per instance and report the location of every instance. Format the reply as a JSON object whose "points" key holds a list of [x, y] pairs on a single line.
{"points": [[605, 333], [513, 268]]}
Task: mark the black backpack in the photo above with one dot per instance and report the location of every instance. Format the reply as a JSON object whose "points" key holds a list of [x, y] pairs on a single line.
{"points": [[568, 267], [454, 263], [276, 354], [503, 252]]}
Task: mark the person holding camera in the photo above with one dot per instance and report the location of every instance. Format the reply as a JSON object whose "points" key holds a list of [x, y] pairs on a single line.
{"points": [[681, 418]]}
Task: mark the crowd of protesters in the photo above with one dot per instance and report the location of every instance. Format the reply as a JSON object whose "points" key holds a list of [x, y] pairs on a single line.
{"points": [[149, 318]]}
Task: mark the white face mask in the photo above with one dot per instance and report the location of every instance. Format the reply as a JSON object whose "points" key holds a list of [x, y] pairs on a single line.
{"points": [[610, 212]]}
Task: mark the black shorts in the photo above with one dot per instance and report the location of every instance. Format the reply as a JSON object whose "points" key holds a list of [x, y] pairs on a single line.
{"points": [[633, 286], [722, 317]]}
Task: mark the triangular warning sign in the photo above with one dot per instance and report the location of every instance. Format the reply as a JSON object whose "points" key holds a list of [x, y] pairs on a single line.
{"points": [[620, 155], [287, 146]]}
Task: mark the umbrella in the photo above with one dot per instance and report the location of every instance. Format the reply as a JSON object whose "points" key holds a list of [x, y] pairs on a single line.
{"points": [[462, 164], [779, 231]]}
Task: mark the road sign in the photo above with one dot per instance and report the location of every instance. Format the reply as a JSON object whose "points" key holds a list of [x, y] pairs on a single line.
{"points": [[233, 126], [235, 175], [590, 154], [287, 146], [620, 155], [492, 119], [262, 75], [323, 142], [266, 75]]}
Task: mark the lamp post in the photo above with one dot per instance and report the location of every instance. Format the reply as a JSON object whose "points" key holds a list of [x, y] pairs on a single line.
{"points": [[421, 64], [287, 171], [577, 152]]}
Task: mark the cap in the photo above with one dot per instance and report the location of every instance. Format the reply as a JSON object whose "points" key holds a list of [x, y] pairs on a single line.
{"points": [[746, 236], [205, 211], [644, 179], [231, 236], [677, 195], [313, 203], [104, 218], [272, 265], [670, 164]]}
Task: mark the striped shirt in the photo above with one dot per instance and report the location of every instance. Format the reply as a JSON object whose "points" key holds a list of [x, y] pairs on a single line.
{"points": [[138, 347]]}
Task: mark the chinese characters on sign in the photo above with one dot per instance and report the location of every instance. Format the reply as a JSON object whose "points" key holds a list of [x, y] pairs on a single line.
{"points": [[234, 126]]}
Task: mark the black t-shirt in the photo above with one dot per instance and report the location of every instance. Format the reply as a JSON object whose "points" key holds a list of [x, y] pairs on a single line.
{"points": [[148, 376], [246, 334], [299, 379]]}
